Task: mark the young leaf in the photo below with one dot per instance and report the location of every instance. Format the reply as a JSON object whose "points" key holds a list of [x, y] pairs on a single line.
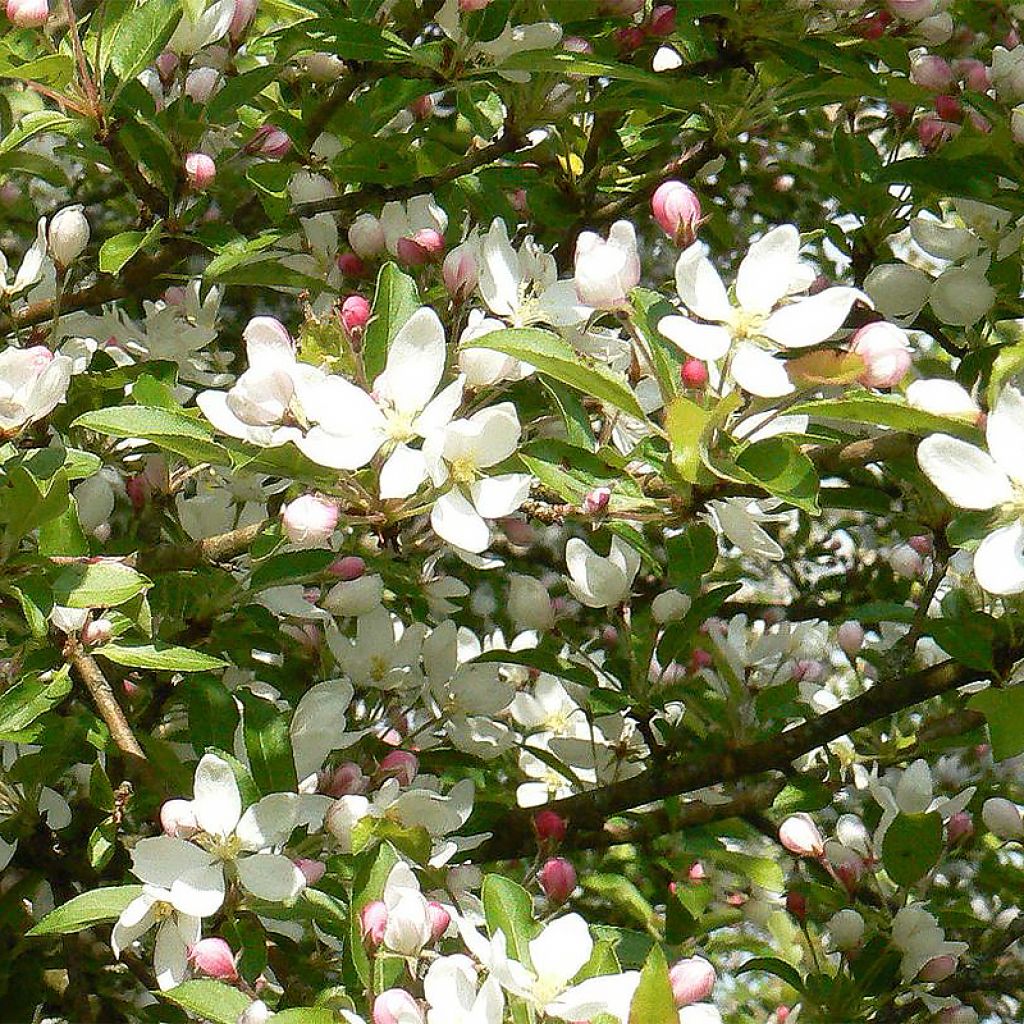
{"points": [[210, 1000], [93, 907], [268, 745], [653, 1002], [98, 585], [160, 657], [912, 846]]}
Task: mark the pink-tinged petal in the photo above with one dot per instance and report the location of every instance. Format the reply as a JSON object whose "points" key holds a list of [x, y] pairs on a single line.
{"points": [[1004, 432], [699, 285], [455, 520], [702, 341], [760, 373], [216, 800], [812, 320], [966, 475], [269, 876], [768, 269], [999, 561], [268, 344]]}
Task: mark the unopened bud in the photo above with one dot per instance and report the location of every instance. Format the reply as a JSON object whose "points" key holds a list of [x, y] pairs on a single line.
{"points": [[366, 236], [557, 879], [213, 956], [200, 171], [167, 67], [549, 826], [355, 315], [426, 246], [346, 780], [906, 562], [241, 19], [796, 904], [694, 374], [922, 543], [885, 351], [312, 870], [257, 1012], [402, 765], [396, 1006], [98, 631], [68, 235], [350, 264], [1002, 818], [439, 919], [911, 10], [269, 141], [692, 980], [662, 21], [596, 501], [178, 819], [932, 73], [373, 922], [959, 1014], [460, 271], [846, 930], [349, 568], [851, 638], [677, 210], [28, 13], [800, 835], [309, 521], [939, 968], [959, 828]]}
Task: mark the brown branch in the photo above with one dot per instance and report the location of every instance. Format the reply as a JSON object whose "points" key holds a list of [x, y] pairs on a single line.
{"points": [[590, 810], [106, 704], [190, 556], [152, 199]]}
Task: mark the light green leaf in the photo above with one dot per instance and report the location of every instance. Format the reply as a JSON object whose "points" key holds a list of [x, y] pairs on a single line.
{"points": [[508, 908], [211, 1000], [686, 423], [879, 411], [268, 744], [27, 700], [1004, 711], [140, 35], [778, 465], [622, 893], [912, 846], [93, 907], [653, 1002], [395, 300], [169, 429], [160, 657], [115, 252], [98, 585], [33, 124]]}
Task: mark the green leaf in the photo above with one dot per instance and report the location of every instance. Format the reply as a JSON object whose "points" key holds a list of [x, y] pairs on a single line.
{"points": [[101, 844], [140, 35], [912, 846], [361, 40], [93, 907], [371, 875], [622, 893], [395, 300], [305, 1015], [116, 251], [290, 567], [98, 585], [268, 744], [26, 701], [174, 431], [762, 871], [802, 794], [212, 712], [970, 639], [686, 422], [556, 358], [880, 411], [690, 555], [239, 90], [1004, 711], [653, 1002], [508, 908], [778, 465], [773, 965], [33, 124], [63, 534], [160, 657], [211, 1000]]}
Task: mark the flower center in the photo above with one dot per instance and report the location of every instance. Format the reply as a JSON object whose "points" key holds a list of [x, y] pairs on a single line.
{"points": [[379, 667], [463, 470], [399, 425], [748, 325]]}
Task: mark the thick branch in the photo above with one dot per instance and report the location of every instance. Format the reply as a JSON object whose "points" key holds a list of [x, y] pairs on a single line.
{"points": [[190, 556], [590, 810]]}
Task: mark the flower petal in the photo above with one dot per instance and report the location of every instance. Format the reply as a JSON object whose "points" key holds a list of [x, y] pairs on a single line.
{"points": [[497, 496], [269, 876], [966, 475], [812, 320], [268, 822], [415, 361], [699, 285], [1005, 433], [199, 892], [760, 373], [561, 950], [216, 800], [999, 560], [159, 860], [455, 520], [702, 341], [335, 451], [768, 269], [402, 473], [561, 306], [170, 957], [340, 407]]}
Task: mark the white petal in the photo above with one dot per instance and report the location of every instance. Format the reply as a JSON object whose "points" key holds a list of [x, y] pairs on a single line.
{"points": [[498, 433], [966, 475], [999, 560], [267, 344], [135, 920], [415, 361], [340, 452], [216, 800], [170, 957], [595, 581], [497, 496], [812, 320], [214, 405], [702, 341], [760, 373], [441, 409], [1005, 433], [699, 285], [768, 268], [402, 473], [199, 892], [271, 877], [609, 993], [625, 556], [159, 860], [455, 520], [268, 822], [561, 305], [340, 407], [500, 275], [561, 950]]}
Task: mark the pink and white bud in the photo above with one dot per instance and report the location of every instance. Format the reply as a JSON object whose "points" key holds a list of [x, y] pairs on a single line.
{"points": [[973, 73], [694, 374], [257, 1012], [933, 132], [576, 44], [346, 780], [200, 171], [549, 826], [98, 631], [461, 271], [312, 870], [911, 10], [439, 919], [851, 638], [396, 1006], [269, 141], [939, 968], [959, 828], [366, 236], [355, 315], [874, 26], [213, 956], [426, 246], [402, 765], [557, 879], [906, 562], [606, 271], [241, 19], [696, 874], [662, 21], [676, 208], [167, 67], [28, 13], [922, 543], [309, 521], [800, 835], [349, 568], [885, 350], [373, 922], [692, 980], [932, 73], [67, 235], [178, 819], [1002, 818], [596, 501], [201, 83], [350, 264]]}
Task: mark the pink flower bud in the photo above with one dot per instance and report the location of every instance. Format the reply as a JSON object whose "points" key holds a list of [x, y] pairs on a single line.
{"points": [[699, 658], [662, 21], [214, 957], [973, 73], [692, 980], [312, 870], [922, 544], [949, 108], [349, 568], [98, 631], [241, 19], [959, 828], [200, 170], [796, 904], [933, 132], [549, 826], [346, 780], [575, 44], [366, 236], [557, 879], [28, 13], [906, 562], [939, 968], [629, 38], [178, 819], [851, 638], [355, 315], [396, 1006], [167, 67], [911, 10], [519, 201], [269, 141], [257, 1012], [800, 835], [1002, 818], [309, 521], [439, 919], [402, 765], [781, 1014], [596, 501], [460, 272], [351, 265], [885, 351], [373, 922], [696, 874], [932, 73], [426, 246], [808, 670], [874, 27], [422, 107], [468, 6], [694, 374], [901, 111], [677, 210]]}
